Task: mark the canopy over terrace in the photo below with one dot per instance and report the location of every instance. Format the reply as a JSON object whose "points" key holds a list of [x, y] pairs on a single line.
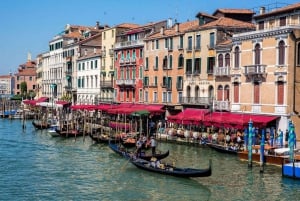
{"points": [[237, 120], [188, 116], [102, 107], [34, 102], [126, 108]]}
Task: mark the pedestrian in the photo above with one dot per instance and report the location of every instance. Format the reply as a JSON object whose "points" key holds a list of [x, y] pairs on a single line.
{"points": [[153, 145], [286, 137]]}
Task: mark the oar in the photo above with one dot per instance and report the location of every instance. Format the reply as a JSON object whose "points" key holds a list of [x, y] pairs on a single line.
{"points": [[125, 164]]}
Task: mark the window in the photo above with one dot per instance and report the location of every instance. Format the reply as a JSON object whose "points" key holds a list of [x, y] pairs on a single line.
{"points": [[197, 69], [220, 60], [261, 25], [198, 42], [155, 81], [170, 62], [180, 61], [146, 96], [256, 93], [282, 21], [211, 40], [79, 67], [210, 65], [257, 54], [179, 97], [236, 57], [147, 63], [280, 93], [220, 93], [141, 53], [96, 63], [157, 44], [281, 53], [190, 43], [156, 63], [180, 42], [227, 60], [134, 73], [146, 81], [165, 62], [141, 95], [164, 97], [166, 43], [179, 83], [92, 64], [83, 66], [170, 47], [188, 67], [155, 99]]}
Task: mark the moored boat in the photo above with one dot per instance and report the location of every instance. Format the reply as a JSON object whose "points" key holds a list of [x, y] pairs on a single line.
{"points": [[223, 149], [123, 152], [167, 169]]}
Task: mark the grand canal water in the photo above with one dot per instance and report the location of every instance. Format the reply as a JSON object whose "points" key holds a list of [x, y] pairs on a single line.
{"points": [[36, 166]]}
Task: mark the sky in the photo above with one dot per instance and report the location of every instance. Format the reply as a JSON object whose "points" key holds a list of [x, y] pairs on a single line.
{"points": [[27, 26]]}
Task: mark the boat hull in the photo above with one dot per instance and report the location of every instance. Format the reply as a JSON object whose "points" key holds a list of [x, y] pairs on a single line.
{"points": [[171, 170]]}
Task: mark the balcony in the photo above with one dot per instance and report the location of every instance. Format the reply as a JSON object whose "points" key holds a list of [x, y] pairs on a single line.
{"points": [[222, 71], [126, 82], [221, 105], [195, 100], [133, 60], [153, 85], [106, 84], [68, 88], [69, 72], [129, 44], [168, 87], [255, 70]]}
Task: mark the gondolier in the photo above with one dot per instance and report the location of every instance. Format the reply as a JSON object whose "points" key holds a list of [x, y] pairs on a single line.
{"points": [[153, 145]]}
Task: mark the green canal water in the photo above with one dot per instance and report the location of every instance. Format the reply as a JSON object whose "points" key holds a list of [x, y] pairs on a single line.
{"points": [[36, 166]]}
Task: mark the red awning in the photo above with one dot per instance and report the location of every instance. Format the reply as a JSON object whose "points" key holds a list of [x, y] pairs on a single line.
{"points": [[34, 102], [62, 103], [188, 116], [237, 120], [128, 108]]}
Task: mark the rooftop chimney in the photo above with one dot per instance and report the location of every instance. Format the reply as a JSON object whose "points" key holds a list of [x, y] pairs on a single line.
{"points": [[162, 30], [262, 10], [97, 25]]}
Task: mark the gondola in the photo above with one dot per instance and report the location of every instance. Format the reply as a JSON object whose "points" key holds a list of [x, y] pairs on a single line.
{"points": [[100, 138], [123, 152], [41, 125], [222, 148], [69, 133], [167, 169]]}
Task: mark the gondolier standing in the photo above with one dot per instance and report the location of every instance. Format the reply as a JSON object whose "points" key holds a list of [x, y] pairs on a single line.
{"points": [[153, 145]]}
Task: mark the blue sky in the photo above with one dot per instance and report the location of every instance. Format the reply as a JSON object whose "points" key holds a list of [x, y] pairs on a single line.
{"points": [[28, 25]]}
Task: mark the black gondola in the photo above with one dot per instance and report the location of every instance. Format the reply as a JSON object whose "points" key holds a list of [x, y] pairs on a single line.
{"points": [[171, 170], [100, 138], [40, 124], [222, 148], [123, 152]]}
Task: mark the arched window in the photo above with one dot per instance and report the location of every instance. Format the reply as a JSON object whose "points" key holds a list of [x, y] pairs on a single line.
{"points": [[170, 61], [280, 92], [281, 53], [196, 91], [180, 61], [226, 93], [236, 57], [236, 91], [220, 60], [188, 93], [227, 59], [257, 54], [165, 62], [256, 93], [220, 93]]}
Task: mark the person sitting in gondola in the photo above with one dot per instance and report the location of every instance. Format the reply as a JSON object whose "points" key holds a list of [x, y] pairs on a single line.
{"points": [[153, 162]]}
